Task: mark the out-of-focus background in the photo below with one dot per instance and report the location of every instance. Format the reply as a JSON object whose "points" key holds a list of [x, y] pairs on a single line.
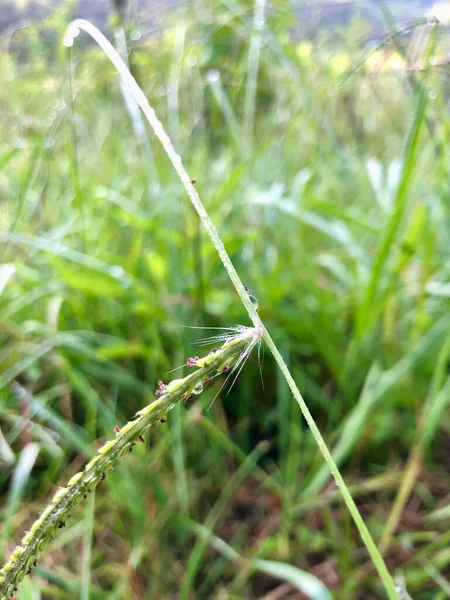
{"points": [[317, 133]]}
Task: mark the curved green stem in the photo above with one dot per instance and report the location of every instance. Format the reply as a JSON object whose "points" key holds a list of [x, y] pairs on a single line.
{"points": [[139, 96], [175, 159], [73, 31], [359, 522]]}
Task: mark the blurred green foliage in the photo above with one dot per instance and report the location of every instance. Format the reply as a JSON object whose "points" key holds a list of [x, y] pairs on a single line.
{"points": [[339, 226]]}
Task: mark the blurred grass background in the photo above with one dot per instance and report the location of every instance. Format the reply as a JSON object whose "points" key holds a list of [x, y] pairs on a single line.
{"points": [[322, 158]]}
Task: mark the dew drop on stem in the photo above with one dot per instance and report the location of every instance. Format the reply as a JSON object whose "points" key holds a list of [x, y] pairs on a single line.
{"points": [[198, 389]]}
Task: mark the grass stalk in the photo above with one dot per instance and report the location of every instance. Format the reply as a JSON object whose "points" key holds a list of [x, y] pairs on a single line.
{"points": [[196, 555], [253, 65], [375, 555], [73, 31], [301, 580], [437, 401], [365, 312]]}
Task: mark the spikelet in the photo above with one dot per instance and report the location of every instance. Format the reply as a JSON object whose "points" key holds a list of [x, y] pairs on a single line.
{"points": [[237, 344]]}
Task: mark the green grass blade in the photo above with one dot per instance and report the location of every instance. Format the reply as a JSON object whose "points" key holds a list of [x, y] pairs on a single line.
{"points": [[366, 308]]}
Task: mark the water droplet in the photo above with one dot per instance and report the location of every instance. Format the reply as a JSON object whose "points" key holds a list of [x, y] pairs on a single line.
{"points": [[191, 61], [213, 76], [198, 389], [388, 40], [136, 35], [254, 301], [252, 298], [117, 272], [432, 95], [432, 21]]}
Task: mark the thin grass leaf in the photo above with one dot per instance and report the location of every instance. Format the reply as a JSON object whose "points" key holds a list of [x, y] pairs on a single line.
{"points": [[301, 580], [304, 582], [196, 555], [6, 272], [365, 310], [376, 386], [20, 477], [188, 183], [116, 272]]}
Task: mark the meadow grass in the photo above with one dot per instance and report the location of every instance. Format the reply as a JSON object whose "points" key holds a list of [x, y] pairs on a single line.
{"points": [[333, 209]]}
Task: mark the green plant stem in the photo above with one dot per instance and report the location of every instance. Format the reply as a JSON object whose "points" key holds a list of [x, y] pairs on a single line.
{"points": [[410, 476], [362, 528], [252, 70], [437, 400], [391, 229], [195, 557], [175, 159], [386, 481], [83, 483]]}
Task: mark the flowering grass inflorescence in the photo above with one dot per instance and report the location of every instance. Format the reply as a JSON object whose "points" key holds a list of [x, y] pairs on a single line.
{"points": [[238, 343], [186, 386]]}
